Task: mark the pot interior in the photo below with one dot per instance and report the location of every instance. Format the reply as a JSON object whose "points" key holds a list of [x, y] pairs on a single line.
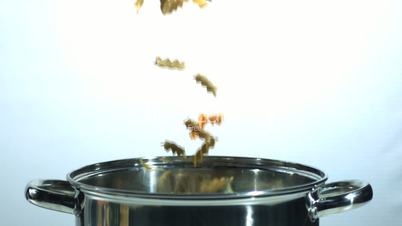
{"points": [[217, 175]]}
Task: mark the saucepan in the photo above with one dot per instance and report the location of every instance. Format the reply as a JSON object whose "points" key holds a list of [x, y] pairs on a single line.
{"points": [[222, 191]]}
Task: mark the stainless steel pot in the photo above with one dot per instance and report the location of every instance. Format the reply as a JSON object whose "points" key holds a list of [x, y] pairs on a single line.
{"points": [[168, 191]]}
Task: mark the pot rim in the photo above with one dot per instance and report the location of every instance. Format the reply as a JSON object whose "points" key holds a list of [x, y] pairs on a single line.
{"points": [[74, 177]]}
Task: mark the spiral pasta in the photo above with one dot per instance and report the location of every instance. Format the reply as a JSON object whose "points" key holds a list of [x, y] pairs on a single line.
{"points": [[172, 64], [200, 3], [138, 4], [169, 6], [174, 148], [206, 83]]}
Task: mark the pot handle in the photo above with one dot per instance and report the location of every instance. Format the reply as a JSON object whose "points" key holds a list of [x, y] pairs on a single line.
{"points": [[338, 197], [56, 195]]}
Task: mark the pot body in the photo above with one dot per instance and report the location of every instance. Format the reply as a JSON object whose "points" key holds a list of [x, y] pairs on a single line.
{"points": [[98, 212], [171, 192]]}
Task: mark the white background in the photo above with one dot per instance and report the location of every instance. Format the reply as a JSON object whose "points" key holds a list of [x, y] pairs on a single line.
{"points": [[315, 82]]}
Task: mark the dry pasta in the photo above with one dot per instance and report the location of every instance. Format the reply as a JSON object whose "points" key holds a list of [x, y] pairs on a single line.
{"points": [[169, 6], [145, 164], [178, 182], [200, 3], [206, 83], [189, 182], [167, 63], [138, 4], [174, 148], [215, 119], [216, 185]]}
